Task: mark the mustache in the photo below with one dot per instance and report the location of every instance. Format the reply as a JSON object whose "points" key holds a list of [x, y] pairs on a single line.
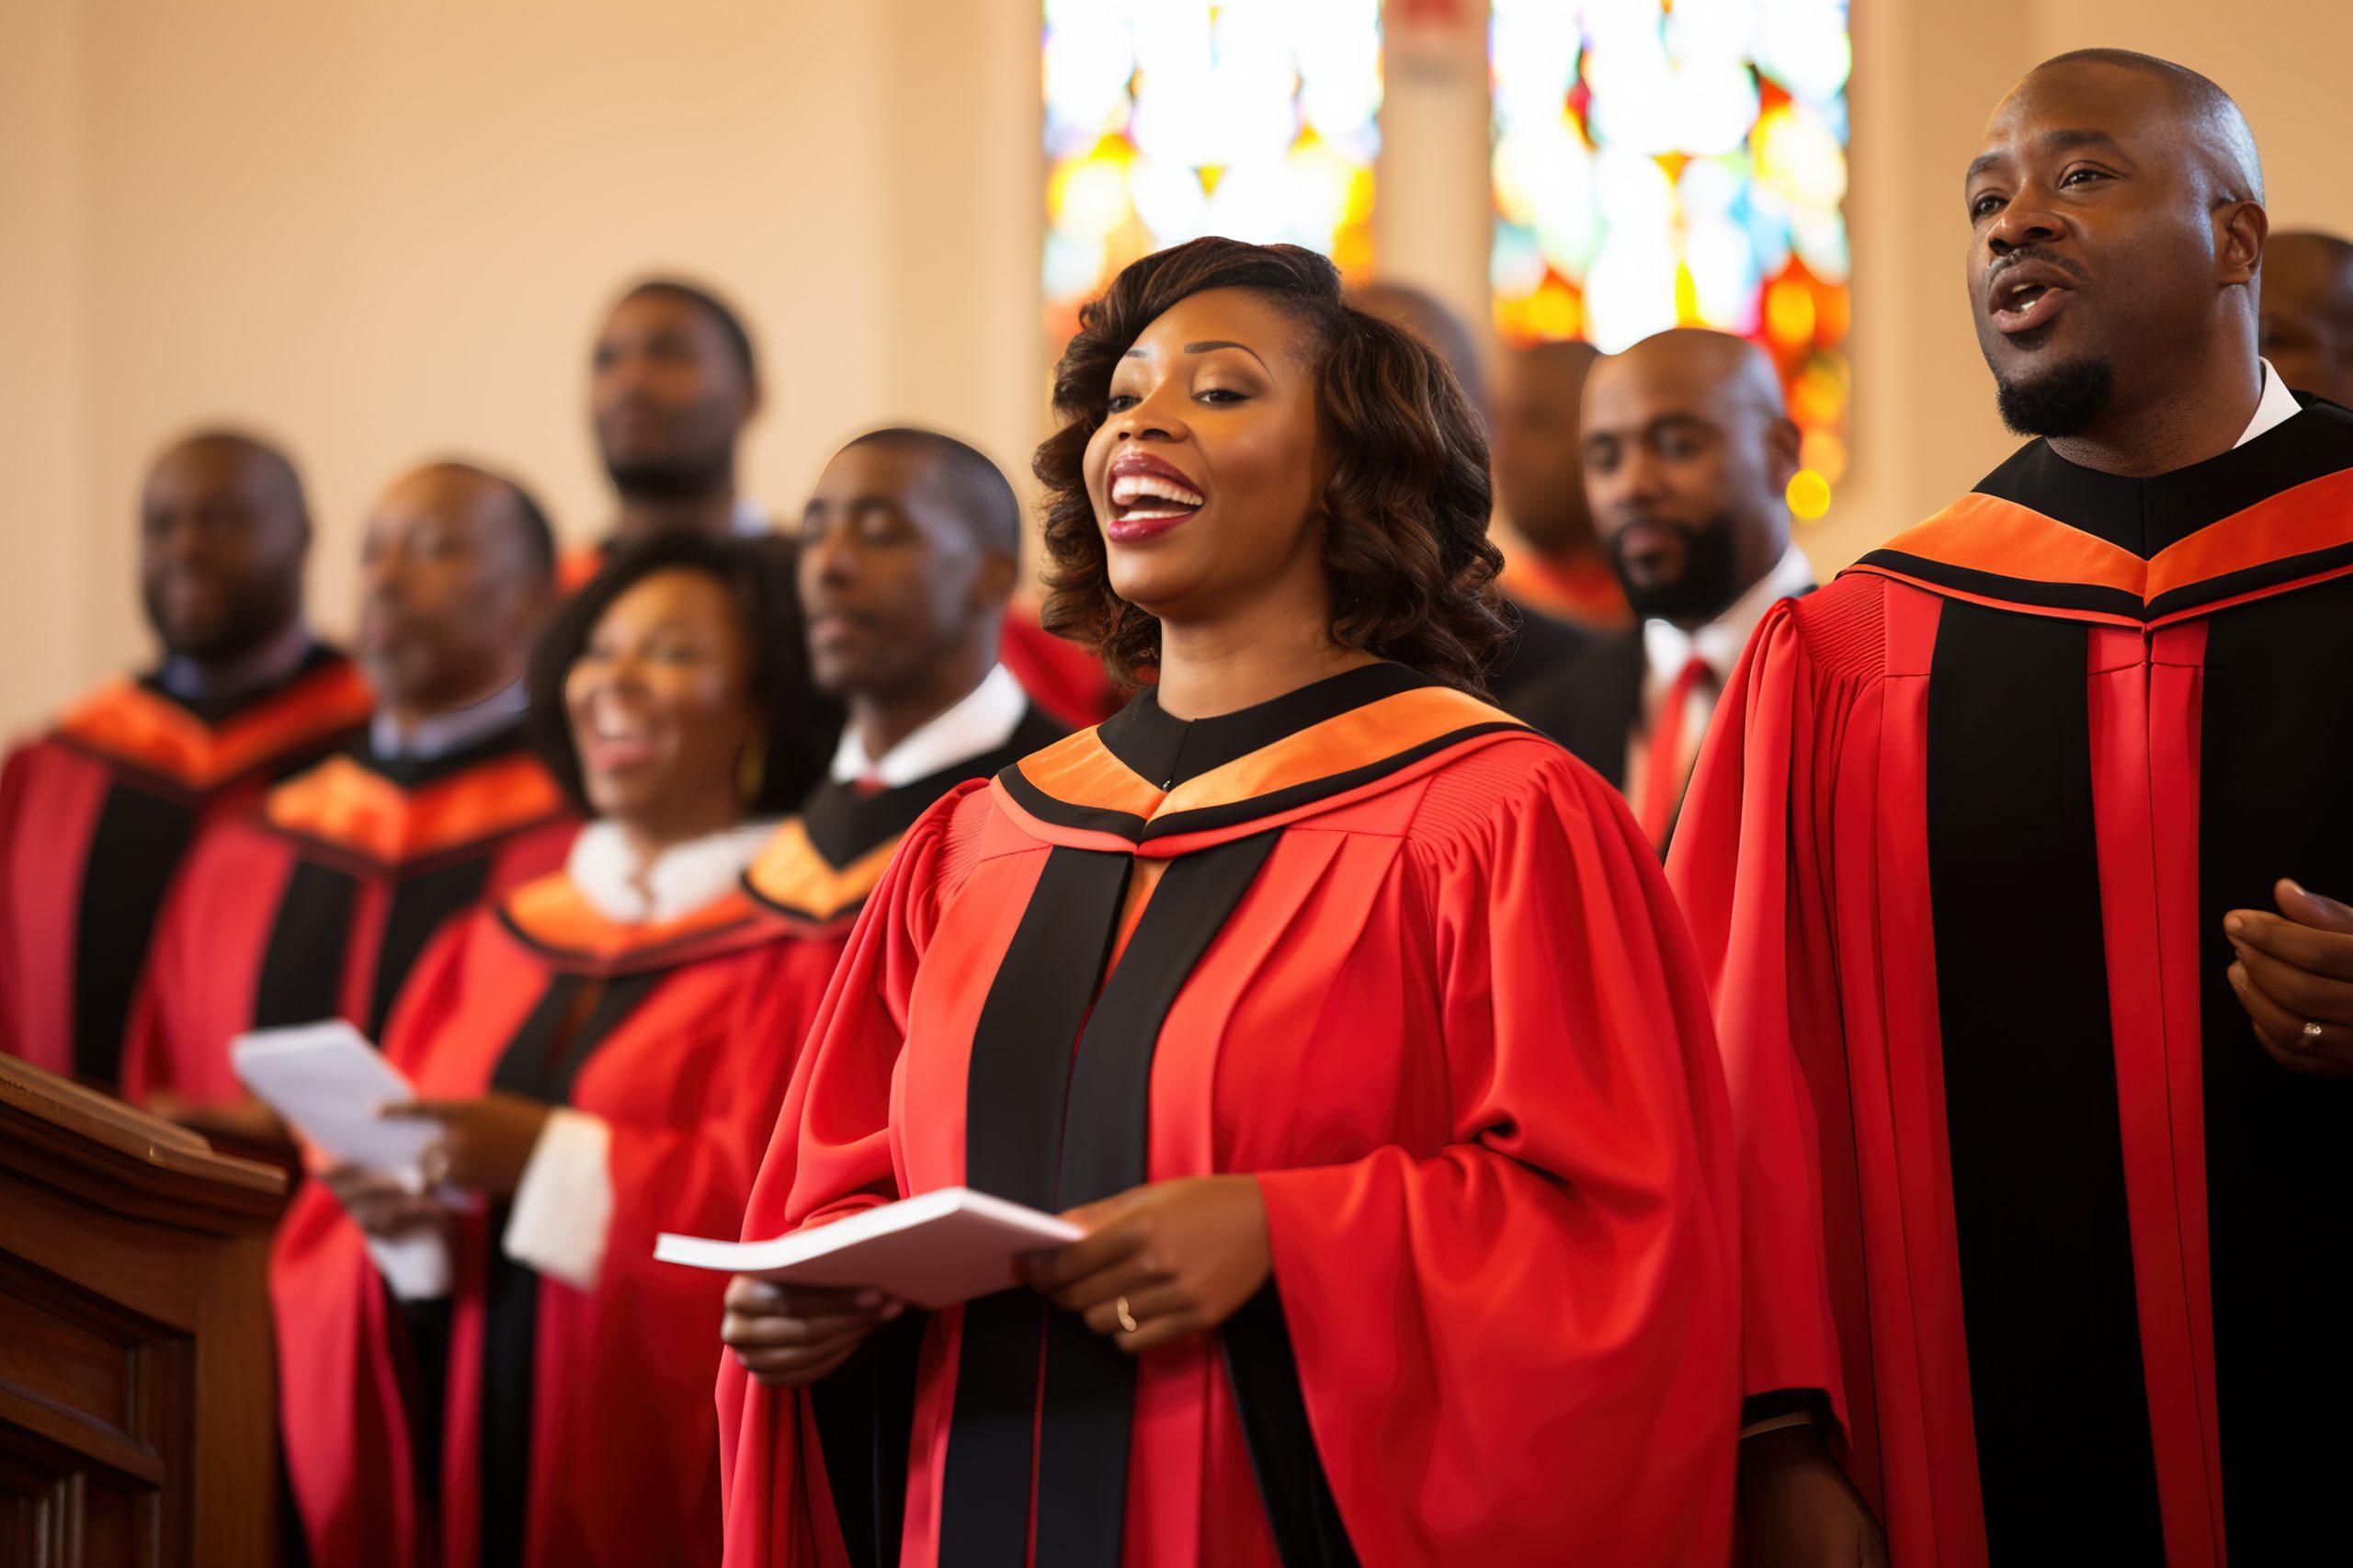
{"points": [[2074, 269]]}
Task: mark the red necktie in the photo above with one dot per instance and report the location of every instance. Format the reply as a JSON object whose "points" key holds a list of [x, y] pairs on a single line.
{"points": [[868, 785], [1662, 774]]}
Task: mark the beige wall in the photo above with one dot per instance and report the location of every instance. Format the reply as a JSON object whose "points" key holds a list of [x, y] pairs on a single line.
{"points": [[382, 231]]}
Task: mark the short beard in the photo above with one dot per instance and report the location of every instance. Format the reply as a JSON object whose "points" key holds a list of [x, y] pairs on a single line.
{"points": [[1704, 590], [2062, 401], [669, 479]]}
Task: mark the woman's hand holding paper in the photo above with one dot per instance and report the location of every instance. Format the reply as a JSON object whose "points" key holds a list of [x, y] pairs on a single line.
{"points": [[1162, 1261], [791, 1336]]}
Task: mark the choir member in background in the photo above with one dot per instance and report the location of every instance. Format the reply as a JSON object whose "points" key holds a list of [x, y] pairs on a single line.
{"points": [[1393, 1119], [1990, 866], [1543, 637], [2307, 313], [673, 382], [908, 551], [315, 904], [1563, 571], [496, 1371], [1688, 450], [98, 815]]}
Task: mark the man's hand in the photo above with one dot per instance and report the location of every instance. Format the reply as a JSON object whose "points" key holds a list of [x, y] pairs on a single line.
{"points": [[1179, 1257], [2295, 977], [485, 1143], [380, 1204], [789, 1335], [1799, 1509]]}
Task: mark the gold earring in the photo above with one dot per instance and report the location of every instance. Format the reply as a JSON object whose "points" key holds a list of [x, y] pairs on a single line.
{"points": [[752, 768]]}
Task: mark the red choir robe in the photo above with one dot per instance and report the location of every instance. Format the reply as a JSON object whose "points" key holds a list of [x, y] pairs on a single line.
{"points": [[98, 816], [818, 868], [1415, 968], [318, 904], [1586, 594], [575, 1424], [2024, 1196]]}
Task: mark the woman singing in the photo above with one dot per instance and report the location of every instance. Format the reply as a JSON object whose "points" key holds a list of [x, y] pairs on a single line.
{"points": [[497, 1372], [1351, 1020]]}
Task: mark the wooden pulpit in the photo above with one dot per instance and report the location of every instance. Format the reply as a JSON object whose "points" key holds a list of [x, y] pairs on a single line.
{"points": [[136, 1420]]}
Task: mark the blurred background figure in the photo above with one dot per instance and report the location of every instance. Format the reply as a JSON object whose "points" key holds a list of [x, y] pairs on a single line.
{"points": [[1541, 642], [2307, 312], [1560, 569], [318, 905], [1688, 453], [98, 815], [575, 1042], [673, 381]]}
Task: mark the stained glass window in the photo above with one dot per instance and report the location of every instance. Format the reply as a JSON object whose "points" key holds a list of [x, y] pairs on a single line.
{"points": [[1166, 119], [1665, 163]]}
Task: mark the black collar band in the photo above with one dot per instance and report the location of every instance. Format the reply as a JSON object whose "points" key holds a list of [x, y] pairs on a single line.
{"points": [[2144, 516]]}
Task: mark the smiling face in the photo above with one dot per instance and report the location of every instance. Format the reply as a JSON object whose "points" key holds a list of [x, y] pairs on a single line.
{"points": [[1206, 474], [661, 707], [2102, 242]]}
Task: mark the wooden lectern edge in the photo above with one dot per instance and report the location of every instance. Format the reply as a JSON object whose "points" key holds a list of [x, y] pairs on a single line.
{"points": [[78, 1129]]}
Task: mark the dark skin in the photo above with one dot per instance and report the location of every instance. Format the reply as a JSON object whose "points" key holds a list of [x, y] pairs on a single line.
{"points": [[904, 597], [669, 400], [2129, 207], [660, 705], [222, 539], [2307, 313], [1540, 471], [451, 597], [452, 593], [1222, 390], [2120, 201], [1686, 431]]}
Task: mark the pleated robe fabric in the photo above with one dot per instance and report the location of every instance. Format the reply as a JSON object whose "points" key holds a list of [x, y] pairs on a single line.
{"points": [[2027, 1210], [577, 1423], [98, 816], [318, 904], [1412, 966]]}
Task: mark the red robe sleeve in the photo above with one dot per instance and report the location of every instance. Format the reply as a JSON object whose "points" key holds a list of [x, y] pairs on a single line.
{"points": [[1575, 1236], [830, 1156], [1746, 867], [348, 1456]]}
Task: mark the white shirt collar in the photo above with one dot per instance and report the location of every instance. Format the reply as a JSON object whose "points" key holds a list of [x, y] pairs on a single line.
{"points": [[984, 720], [438, 734], [683, 878], [2278, 407], [1666, 647], [750, 519]]}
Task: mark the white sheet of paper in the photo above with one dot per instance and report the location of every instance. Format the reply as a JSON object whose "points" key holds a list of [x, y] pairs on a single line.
{"points": [[329, 1083], [935, 1249]]}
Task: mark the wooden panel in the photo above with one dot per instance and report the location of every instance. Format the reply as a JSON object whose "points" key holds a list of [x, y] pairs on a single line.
{"points": [[135, 1389]]}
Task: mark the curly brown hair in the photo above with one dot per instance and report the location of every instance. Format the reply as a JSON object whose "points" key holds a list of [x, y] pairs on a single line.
{"points": [[1405, 545]]}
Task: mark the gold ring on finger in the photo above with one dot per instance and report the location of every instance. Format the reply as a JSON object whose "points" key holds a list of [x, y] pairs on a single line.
{"points": [[1127, 1324], [2312, 1036]]}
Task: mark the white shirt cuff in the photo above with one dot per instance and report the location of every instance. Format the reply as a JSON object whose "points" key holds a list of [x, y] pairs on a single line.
{"points": [[415, 1266], [563, 1212]]}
